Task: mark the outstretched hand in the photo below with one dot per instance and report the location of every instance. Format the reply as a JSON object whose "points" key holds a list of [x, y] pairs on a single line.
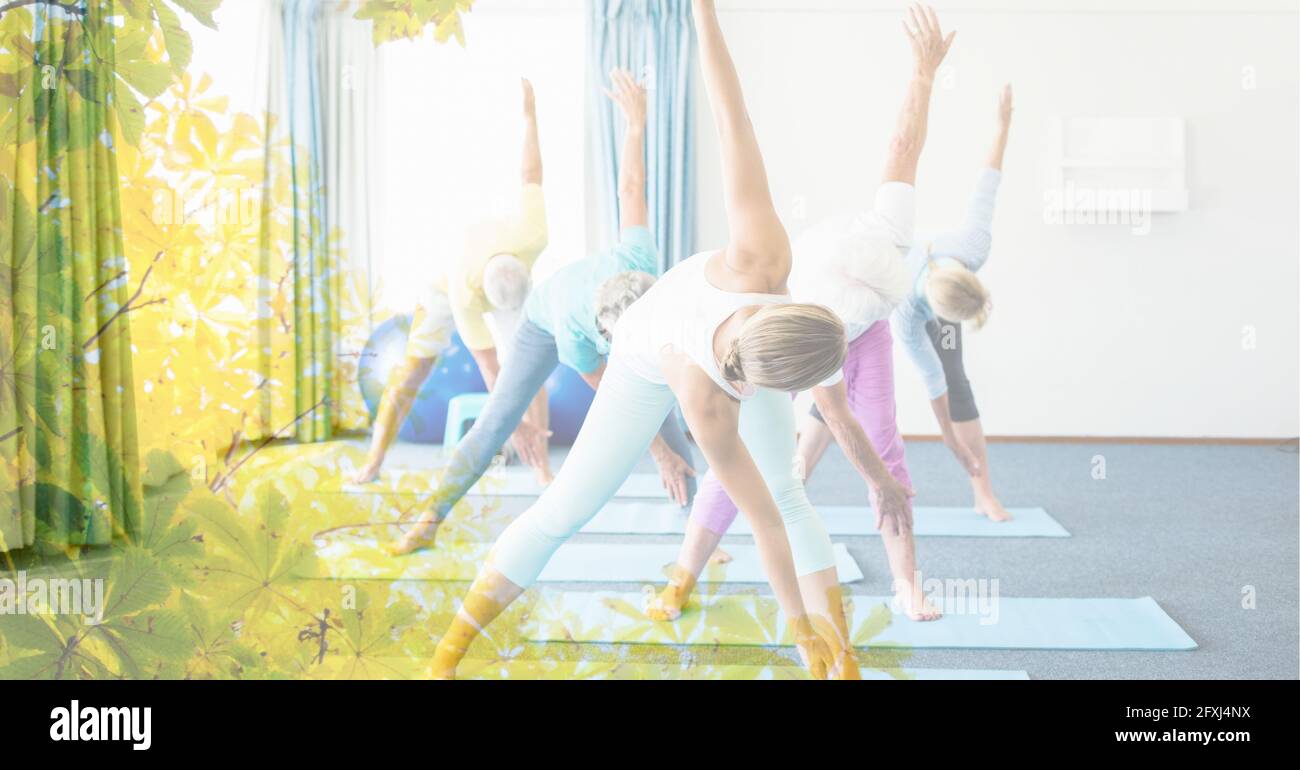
{"points": [[629, 95], [929, 45], [530, 100], [1005, 107]]}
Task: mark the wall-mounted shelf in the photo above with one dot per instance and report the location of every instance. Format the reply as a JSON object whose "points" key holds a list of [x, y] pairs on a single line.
{"points": [[1099, 164]]}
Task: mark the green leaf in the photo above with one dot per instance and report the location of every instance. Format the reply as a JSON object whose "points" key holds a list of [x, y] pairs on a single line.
{"points": [[29, 632], [148, 78], [42, 666], [135, 583], [130, 115], [200, 10], [161, 470], [180, 47], [156, 633]]}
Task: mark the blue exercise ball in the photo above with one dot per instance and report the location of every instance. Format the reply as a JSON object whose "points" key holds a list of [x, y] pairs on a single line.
{"points": [[568, 397], [454, 373]]}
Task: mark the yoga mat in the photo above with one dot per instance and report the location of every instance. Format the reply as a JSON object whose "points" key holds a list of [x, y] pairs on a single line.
{"points": [[520, 482], [413, 467], [648, 518], [535, 669], [1025, 624], [572, 563], [513, 482]]}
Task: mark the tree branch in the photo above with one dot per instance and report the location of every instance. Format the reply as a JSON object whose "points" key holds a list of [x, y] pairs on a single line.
{"points": [[220, 479], [126, 308], [73, 6]]}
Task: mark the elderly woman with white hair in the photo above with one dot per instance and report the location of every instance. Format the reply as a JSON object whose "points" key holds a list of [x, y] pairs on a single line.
{"points": [[480, 295], [569, 319]]}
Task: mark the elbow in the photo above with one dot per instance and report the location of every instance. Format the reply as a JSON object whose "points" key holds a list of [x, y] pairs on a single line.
{"points": [[631, 187], [904, 144]]}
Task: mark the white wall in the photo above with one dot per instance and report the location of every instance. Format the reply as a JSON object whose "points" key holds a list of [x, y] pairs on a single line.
{"points": [[1096, 331]]}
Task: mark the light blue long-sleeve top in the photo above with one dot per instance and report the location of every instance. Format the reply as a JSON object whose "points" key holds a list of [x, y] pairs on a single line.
{"points": [[968, 244], [565, 304]]}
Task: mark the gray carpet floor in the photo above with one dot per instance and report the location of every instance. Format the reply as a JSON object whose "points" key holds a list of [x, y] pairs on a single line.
{"points": [[1195, 527]]}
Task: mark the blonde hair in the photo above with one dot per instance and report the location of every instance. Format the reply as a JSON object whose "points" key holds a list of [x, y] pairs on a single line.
{"points": [[955, 294], [790, 347]]}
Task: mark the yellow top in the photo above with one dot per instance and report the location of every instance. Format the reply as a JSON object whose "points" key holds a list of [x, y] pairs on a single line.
{"points": [[522, 233]]}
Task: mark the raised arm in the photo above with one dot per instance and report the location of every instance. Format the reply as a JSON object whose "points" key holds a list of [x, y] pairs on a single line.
{"points": [[1004, 127], [759, 244], [629, 95], [971, 242], [929, 46], [531, 165]]}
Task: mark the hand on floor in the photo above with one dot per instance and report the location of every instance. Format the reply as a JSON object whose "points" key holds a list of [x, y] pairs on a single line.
{"points": [[367, 473], [674, 472], [531, 443], [894, 508]]}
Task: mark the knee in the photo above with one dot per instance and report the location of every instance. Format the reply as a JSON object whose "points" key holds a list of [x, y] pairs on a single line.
{"points": [[555, 529], [712, 507], [416, 371], [961, 404], [792, 501]]}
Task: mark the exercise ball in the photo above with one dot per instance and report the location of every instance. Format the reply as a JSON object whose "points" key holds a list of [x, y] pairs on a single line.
{"points": [[568, 397], [454, 373]]}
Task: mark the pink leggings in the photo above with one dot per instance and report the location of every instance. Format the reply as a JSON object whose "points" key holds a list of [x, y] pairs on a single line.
{"points": [[869, 381]]}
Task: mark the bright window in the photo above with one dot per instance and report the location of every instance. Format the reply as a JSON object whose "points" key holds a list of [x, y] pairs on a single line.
{"points": [[450, 134]]}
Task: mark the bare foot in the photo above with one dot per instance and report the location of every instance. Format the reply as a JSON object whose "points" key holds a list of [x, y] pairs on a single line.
{"points": [[367, 473], [420, 536], [846, 667], [719, 556], [915, 605], [445, 660], [667, 606], [991, 508]]}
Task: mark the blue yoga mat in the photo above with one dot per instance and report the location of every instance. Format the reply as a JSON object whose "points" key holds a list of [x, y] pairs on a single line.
{"points": [[651, 518], [569, 670], [651, 563], [510, 482], [1004, 623]]}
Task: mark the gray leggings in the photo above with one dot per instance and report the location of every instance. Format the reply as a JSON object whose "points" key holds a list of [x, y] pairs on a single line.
{"points": [[946, 338], [522, 375]]}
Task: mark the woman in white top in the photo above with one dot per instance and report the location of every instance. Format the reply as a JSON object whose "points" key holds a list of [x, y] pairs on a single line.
{"points": [[718, 335]]}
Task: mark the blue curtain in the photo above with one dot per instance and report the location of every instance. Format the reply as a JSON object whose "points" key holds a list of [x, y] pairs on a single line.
{"points": [[320, 84], [655, 39]]}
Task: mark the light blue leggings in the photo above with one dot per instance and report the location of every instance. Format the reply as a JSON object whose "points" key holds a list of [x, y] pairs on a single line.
{"points": [[623, 419], [532, 360]]}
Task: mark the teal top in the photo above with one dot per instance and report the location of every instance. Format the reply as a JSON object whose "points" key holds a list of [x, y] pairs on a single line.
{"points": [[565, 304]]}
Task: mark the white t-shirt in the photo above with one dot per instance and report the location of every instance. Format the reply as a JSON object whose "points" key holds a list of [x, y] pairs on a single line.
{"points": [[854, 264], [681, 310]]}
